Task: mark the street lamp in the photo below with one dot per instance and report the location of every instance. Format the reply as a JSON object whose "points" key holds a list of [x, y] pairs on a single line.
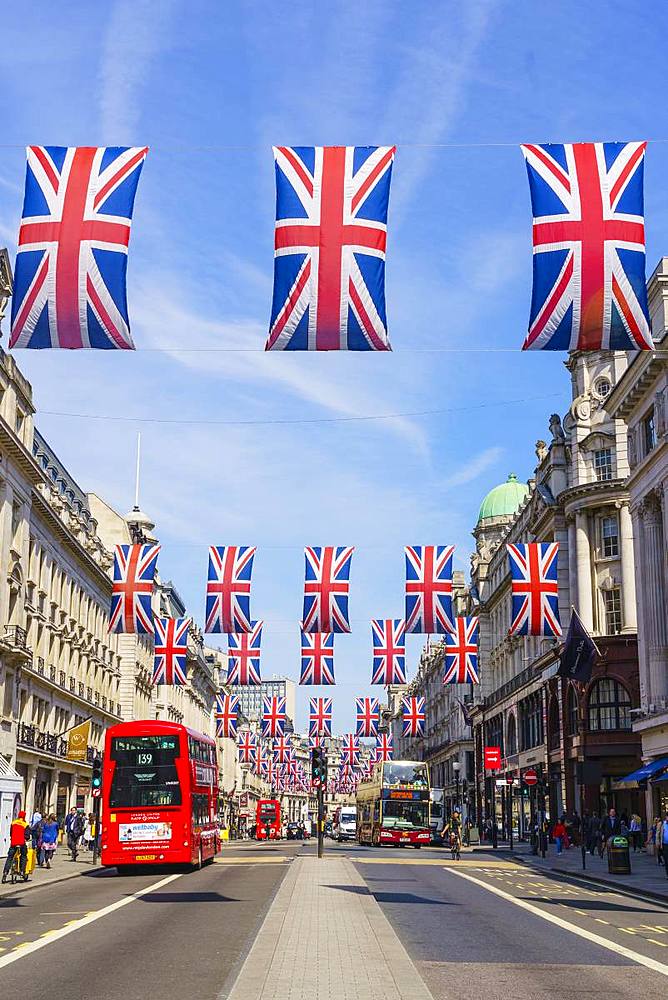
{"points": [[455, 767]]}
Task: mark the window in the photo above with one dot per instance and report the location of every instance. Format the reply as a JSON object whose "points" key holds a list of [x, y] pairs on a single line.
{"points": [[609, 536], [609, 705], [200, 805], [649, 433], [553, 735], [19, 422], [531, 722], [603, 465], [512, 735], [572, 711], [602, 387], [612, 602]]}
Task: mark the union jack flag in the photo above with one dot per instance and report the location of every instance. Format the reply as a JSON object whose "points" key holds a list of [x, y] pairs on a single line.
{"points": [[368, 716], [228, 588], [226, 714], [329, 257], [413, 716], [132, 588], [461, 653], [316, 742], [326, 587], [273, 716], [384, 748], [282, 749], [317, 658], [171, 650], [320, 717], [259, 758], [350, 750], [69, 286], [243, 656], [589, 291], [429, 588], [247, 747], [535, 607], [389, 651]]}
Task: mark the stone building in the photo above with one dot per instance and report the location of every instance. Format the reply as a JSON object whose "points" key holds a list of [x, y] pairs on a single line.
{"points": [[579, 498], [640, 401], [58, 664]]}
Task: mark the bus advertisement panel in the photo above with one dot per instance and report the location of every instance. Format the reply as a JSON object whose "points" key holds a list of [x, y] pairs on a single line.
{"points": [[159, 795], [393, 808]]}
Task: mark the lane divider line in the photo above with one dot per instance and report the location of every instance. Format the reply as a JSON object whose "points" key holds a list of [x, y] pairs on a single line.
{"points": [[551, 918], [28, 947]]}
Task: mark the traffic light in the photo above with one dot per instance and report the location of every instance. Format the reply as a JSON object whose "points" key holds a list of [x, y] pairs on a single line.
{"points": [[96, 779], [319, 766]]}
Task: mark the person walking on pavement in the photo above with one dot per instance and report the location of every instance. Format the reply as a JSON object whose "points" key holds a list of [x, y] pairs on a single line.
{"points": [[49, 839], [663, 834], [635, 829], [559, 834], [75, 833], [35, 833], [611, 827], [19, 836]]}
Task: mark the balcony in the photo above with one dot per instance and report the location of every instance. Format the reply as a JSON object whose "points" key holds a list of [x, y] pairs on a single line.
{"points": [[49, 744], [15, 642]]}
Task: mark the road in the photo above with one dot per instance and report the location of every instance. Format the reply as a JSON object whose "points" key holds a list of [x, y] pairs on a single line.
{"points": [[482, 927]]}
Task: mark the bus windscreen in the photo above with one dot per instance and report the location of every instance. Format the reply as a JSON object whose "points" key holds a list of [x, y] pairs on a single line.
{"points": [[405, 774]]}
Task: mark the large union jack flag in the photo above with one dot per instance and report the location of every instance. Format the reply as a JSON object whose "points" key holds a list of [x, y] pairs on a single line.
{"points": [[350, 750], [226, 715], [317, 658], [326, 588], [69, 286], [384, 748], [247, 747], [329, 257], [228, 588], [132, 589], [243, 656], [389, 651], [412, 716], [589, 291], [535, 605], [171, 650], [461, 653], [429, 588], [282, 749], [273, 716], [367, 716], [320, 717]]}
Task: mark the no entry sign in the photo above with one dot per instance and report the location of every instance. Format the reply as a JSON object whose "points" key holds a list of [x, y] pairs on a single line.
{"points": [[492, 758], [530, 777]]}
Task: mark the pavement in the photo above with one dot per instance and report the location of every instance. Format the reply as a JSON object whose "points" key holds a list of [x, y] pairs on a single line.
{"points": [[273, 922], [62, 868]]}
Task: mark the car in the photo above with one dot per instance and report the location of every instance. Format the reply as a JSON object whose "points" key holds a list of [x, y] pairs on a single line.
{"points": [[294, 832]]}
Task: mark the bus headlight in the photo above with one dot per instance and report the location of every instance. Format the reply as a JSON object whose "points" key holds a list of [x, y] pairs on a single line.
{"points": [[185, 843]]}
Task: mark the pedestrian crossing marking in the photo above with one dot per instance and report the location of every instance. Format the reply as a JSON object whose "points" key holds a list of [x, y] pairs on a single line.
{"points": [[661, 944], [442, 862]]}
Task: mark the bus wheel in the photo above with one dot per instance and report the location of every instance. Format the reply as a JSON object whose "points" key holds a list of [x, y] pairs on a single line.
{"points": [[375, 839], [199, 862], [124, 869], [417, 846]]}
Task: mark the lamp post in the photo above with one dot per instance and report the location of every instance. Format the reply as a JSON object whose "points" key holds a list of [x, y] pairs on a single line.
{"points": [[455, 767]]}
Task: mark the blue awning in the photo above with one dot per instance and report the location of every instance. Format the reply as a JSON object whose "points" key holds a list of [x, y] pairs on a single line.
{"points": [[647, 770], [664, 777]]}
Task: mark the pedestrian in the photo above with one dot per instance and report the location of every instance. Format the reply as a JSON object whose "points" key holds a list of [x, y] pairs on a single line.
{"points": [[49, 839], [68, 821], [87, 839], [655, 838], [594, 833], [611, 827], [75, 833], [19, 837], [559, 834], [35, 834], [663, 840], [635, 829]]}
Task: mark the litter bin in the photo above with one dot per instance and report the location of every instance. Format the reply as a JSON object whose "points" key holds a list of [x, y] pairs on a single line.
{"points": [[619, 860]]}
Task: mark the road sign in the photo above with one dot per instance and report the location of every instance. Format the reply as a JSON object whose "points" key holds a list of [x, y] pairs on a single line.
{"points": [[492, 758], [530, 777], [510, 778], [96, 793]]}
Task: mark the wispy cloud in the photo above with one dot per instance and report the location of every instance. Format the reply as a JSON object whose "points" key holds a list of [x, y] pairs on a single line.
{"points": [[136, 33], [475, 467]]}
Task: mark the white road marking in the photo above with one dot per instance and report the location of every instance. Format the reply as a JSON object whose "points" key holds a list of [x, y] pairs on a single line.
{"points": [[619, 949], [73, 925]]}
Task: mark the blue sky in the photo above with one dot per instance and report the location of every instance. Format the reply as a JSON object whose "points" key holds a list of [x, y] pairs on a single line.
{"points": [[188, 79]]}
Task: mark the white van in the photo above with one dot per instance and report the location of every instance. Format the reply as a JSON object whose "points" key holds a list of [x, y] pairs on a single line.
{"points": [[344, 826]]}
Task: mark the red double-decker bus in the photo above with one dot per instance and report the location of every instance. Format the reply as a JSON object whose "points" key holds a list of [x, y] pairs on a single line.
{"points": [[159, 795], [393, 808], [268, 820]]}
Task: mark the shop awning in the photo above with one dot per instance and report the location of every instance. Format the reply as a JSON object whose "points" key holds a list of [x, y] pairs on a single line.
{"points": [[664, 777], [648, 770]]}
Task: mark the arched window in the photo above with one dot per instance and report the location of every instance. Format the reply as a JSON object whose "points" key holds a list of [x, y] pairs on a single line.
{"points": [[553, 739], [609, 705], [512, 734], [572, 711]]}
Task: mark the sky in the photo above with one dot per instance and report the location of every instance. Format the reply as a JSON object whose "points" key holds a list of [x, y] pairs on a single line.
{"points": [[242, 447]]}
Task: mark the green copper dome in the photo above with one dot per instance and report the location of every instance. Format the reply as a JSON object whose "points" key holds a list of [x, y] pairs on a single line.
{"points": [[504, 499]]}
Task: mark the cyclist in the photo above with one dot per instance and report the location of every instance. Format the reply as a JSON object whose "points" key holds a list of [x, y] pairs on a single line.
{"points": [[19, 834], [454, 828]]}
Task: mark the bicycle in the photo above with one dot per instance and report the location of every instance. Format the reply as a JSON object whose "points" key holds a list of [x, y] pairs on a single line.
{"points": [[455, 846], [15, 871]]}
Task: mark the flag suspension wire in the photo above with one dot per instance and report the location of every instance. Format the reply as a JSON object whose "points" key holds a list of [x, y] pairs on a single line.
{"points": [[294, 420], [243, 147]]}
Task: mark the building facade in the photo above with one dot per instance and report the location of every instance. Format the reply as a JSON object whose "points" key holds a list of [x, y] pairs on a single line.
{"points": [[250, 697], [579, 498], [640, 401]]}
